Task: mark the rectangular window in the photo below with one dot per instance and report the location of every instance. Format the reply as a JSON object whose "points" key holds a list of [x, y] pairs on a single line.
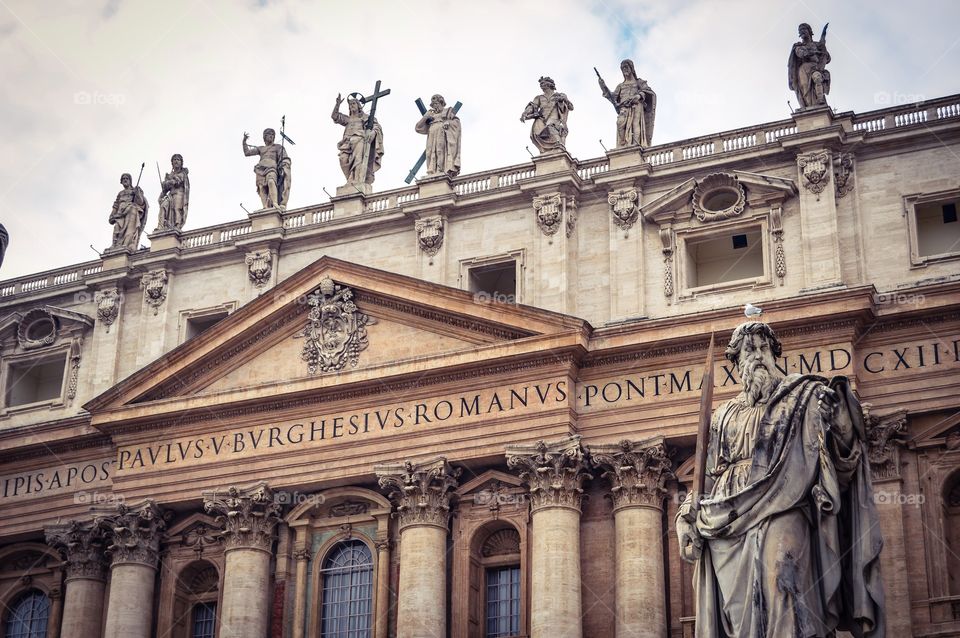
{"points": [[204, 620], [198, 325], [498, 281], [34, 381], [725, 258], [503, 601], [938, 232]]}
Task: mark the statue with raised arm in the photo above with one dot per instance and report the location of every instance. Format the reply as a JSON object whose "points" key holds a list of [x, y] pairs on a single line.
{"points": [[807, 74], [129, 214], [786, 539], [549, 113], [273, 170], [361, 147], [174, 195], [636, 106], [442, 127]]}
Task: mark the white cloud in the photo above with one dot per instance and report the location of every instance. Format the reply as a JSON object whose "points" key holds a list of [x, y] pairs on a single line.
{"points": [[91, 92]]}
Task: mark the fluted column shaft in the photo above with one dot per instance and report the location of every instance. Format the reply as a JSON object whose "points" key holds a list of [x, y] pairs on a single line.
{"points": [[248, 517], [83, 547], [422, 494], [554, 473], [636, 473]]}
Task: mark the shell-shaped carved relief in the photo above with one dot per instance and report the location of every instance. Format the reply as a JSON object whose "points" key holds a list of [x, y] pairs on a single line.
{"points": [[718, 196]]}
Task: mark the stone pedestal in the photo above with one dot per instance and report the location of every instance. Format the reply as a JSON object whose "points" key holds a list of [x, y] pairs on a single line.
{"points": [[422, 494], [134, 550], [83, 548], [164, 239], [637, 473], [265, 219], [435, 186], [554, 473], [249, 516], [350, 200], [116, 259]]}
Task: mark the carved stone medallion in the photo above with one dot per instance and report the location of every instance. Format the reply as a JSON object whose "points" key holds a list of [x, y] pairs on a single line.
{"points": [[430, 235], [718, 196], [108, 306], [336, 330], [154, 285], [814, 168], [624, 206], [37, 329], [259, 267]]}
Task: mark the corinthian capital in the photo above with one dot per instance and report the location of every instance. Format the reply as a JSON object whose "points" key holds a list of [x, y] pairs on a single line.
{"points": [[637, 471], [134, 532], [420, 490], [83, 545], [554, 472], [248, 515]]}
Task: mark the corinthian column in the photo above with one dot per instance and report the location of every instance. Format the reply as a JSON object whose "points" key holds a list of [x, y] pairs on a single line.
{"points": [[249, 517], [554, 473], [637, 473], [422, 494], [82, 544], [135, 532]]}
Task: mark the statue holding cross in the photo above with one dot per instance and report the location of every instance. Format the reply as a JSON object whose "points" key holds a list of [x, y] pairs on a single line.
{"points": [[361, 146]]}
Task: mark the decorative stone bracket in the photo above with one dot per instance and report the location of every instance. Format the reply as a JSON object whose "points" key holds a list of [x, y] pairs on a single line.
{"points": [[259, 267], [815, 171], [248, 515], [554, 472], [82, 544], [154, 285], [430, 235], [842, 172], [637, 471], [554, 211], [134, 532], [624, 207], [421, 491], [885, 436]]}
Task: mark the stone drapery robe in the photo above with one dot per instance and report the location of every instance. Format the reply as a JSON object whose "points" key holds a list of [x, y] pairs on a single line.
{"points": [[549, 114], [791, 535], [128, 216], [360, 149], [175, 199], [443, 141], [274, 165], [635, 116], [806, 59]]}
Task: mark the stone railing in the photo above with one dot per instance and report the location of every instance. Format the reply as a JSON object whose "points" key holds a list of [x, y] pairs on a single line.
{"points": [[908, 115], [309, 216], [50, 279], [215, 234]]}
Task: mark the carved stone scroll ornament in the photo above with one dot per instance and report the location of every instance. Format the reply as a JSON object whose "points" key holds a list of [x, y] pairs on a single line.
{"points": [[625, 208], [259, 267], [718, 196], [814, 167], [421, 491], [82, 545], [885, 435], [549, 212], [554, 472], [134, 532], [667, 243], [637, 472], [108, 305], [430, 235], [154, 285], [336, 330], [247, 515], [842, 172]]}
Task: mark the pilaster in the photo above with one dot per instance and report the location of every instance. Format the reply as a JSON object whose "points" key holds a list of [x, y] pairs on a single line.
{"points": [[625, 237]]}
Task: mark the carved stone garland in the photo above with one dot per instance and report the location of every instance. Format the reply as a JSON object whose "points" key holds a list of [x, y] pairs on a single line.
{"points": [[666, 241], [72, 381], [554, 472], [842, 172], [108, 305], [154, 285], [259, 267], [637, 472], [134, 532], [624, 207], [814, 167], [776, 230], [336, 330], [430, 235], [421, 490], [248, 515], [82, 544]]}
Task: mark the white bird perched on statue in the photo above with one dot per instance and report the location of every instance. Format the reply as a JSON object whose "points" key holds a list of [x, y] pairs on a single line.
{"points": [[751, 311]]}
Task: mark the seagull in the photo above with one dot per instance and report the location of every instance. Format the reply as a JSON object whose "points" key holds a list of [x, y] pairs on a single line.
{"points": [[751, 311]]}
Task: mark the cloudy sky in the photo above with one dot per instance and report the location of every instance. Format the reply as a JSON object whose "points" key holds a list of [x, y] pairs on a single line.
{"points": [[92, 89]]}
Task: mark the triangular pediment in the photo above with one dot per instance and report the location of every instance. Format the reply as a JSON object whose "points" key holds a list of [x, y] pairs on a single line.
{"points": [[334, 323]]}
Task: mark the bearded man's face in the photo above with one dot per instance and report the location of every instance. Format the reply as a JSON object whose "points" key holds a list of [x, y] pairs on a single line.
{"points": [[757, 367]]}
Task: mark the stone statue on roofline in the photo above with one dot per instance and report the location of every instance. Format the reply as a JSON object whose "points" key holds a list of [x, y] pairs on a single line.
{"points": [[361, 147], [274, 175], [549, 113], [636, 106], [174, 195], [807, 74], [786, 539], [128, 215], [442, 127]]}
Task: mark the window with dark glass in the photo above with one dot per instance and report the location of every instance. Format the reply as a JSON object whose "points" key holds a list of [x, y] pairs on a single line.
{"points": [[204, 620], [503, 601], [347, 603], [28, 616]]}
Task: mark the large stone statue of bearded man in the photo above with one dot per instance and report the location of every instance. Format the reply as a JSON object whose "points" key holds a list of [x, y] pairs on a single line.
{"points": [[786, 540]]}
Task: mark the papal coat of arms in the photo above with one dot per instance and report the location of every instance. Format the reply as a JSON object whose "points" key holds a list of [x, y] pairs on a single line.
{"points": [[814, 166], [336, 330]]}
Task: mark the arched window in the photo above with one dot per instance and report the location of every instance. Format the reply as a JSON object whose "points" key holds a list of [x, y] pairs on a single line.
{"points": [[500, 558], [28, 616], [347, 575]]}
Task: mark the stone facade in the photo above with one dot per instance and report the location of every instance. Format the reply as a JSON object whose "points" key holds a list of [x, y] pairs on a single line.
{"points": [[224, 421]]}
